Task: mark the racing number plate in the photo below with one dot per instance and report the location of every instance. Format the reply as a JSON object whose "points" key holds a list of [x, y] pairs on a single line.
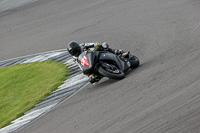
{"points": [[84, 61]]}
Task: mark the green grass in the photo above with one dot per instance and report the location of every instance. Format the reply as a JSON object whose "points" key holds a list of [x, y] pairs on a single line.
{"points": [[24, 85]]}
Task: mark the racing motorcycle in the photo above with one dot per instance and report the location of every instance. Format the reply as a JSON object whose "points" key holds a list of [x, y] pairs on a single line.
{"points": [[106, 64]]}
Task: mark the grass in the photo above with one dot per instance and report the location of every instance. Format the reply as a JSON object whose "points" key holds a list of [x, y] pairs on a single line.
{"points": [[24, 85]]}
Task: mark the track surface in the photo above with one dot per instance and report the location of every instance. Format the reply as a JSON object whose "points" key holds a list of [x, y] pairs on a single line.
{"points": [[161, 96]]}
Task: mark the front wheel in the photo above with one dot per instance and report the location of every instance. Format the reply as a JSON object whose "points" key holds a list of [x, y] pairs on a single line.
{"points": [[111, 72]]}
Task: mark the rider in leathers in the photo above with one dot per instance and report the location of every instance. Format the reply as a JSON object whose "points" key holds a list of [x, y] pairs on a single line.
{"points": [[76, 49]]}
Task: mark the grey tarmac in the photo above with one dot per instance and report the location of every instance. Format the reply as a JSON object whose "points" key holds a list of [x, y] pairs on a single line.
{"points": [[161, 96]]}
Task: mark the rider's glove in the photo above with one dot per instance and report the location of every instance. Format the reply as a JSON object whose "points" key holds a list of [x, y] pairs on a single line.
{"points": [[74, 59]]}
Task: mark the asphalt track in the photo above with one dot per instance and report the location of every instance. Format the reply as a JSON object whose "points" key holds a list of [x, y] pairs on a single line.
{"points": [[161, 96]]}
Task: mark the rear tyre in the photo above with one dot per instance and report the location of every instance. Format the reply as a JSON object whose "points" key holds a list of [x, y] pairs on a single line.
{"points": [[113, 74], [134, 62]]}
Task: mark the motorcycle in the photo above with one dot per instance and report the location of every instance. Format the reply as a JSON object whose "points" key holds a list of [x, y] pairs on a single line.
{"points": [[106, 64]]}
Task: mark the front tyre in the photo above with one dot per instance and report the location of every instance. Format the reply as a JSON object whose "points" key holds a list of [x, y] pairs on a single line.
{"points": [[111, 73], [134, 61]]}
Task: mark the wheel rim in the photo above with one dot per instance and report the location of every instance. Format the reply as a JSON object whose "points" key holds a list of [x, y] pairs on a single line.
{"points": [[116, 71]]}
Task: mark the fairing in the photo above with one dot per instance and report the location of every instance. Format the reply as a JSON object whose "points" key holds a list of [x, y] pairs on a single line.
{"points": [[87, 61], [114, 59]]}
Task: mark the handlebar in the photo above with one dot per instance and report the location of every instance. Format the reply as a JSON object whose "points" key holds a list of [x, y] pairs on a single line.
{"points": [[91, 46]]}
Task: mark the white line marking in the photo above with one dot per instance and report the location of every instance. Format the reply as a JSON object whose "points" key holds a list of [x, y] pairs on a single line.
{"points": [[34, 54], [51, 109]]}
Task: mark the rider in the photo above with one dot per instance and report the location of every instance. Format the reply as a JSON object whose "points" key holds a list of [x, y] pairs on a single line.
{"points": [[76, 49]]}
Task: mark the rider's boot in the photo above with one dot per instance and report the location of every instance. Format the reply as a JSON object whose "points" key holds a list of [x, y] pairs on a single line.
{"points": [[126, 54], [94, 79], [122, 53]]}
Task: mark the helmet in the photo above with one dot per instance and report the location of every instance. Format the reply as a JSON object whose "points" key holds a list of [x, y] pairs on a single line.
{"points": [[74, 48]]}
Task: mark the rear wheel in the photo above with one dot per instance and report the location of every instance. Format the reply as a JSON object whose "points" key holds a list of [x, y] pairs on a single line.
{"points": [[134, 61], [111, 72]]}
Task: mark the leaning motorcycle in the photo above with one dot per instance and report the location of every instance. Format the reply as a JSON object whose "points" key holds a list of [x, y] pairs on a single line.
{"points": [[106, 64]]}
